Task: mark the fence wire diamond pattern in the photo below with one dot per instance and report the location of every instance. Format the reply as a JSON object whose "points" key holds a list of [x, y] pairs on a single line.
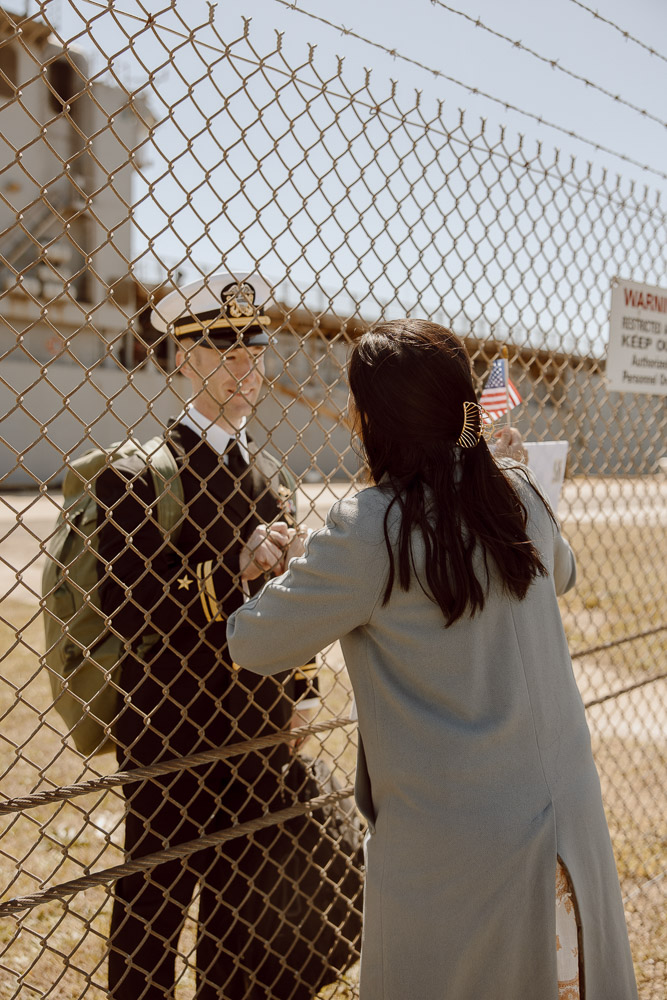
{"points": [[139, 152]]}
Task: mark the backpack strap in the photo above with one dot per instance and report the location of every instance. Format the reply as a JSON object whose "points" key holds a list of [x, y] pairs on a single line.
{"points": [[281, 482], [287, 479], [167, 481]]}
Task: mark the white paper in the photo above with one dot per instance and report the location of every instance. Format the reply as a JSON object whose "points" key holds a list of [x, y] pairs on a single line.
{"points": [[546, 460]]}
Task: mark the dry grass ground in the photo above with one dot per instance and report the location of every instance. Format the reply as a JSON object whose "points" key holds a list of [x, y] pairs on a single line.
{"points": [[56, 950]]}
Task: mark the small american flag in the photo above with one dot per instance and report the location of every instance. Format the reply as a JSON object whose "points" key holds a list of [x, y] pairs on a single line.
{"points": [[495, 398]]}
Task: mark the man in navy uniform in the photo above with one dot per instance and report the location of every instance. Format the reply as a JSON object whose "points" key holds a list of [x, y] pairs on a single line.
{"points": [[169, 598]]}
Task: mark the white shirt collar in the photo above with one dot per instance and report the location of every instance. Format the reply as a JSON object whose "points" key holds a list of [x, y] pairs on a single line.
{"points": [[212, 433]]}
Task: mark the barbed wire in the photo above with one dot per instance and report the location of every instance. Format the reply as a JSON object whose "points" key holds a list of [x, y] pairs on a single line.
{"points": [[427, 127], [553, 63], [644, 886], [107, 781], [626, 34], [618, 642], [184, 850], [625, 690], [475, 91]]}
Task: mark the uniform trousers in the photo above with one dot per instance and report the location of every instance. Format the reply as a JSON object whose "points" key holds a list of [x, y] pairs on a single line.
{"points": [[237, 917], [234, 959]]}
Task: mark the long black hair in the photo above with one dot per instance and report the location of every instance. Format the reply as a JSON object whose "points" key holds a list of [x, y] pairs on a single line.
{"points": [[409, 380]]}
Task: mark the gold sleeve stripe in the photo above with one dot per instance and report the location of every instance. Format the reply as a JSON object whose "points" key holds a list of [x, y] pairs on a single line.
{"points": [[203, 596], [207, 573], [307, 668]]}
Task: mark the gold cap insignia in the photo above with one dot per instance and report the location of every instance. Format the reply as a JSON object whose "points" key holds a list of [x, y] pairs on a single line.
{"points": [[238, 299]]}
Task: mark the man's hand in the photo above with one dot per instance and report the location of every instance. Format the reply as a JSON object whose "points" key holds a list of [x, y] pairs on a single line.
{"points": [[265, 550], [270, 548], [508, 443]]}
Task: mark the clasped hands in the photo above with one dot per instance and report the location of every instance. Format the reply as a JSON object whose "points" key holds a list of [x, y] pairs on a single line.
{"points": [[269, 549]]}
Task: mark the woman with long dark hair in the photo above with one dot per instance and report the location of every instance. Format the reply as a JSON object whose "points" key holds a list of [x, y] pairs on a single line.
{"points": [[490, 872]]}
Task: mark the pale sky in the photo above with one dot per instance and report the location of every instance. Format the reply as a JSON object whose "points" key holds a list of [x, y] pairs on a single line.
{"points": [[423, 30], [355, 213], [556, 29]]}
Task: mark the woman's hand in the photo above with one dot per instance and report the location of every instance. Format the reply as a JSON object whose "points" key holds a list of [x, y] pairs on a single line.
{"points": [[266, 550], [508, 443], [297, 546]]}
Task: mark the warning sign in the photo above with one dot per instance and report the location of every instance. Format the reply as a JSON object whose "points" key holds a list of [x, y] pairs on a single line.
{"points": [[637, 352]]}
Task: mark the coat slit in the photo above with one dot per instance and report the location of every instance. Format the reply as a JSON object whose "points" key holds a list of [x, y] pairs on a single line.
{"points": [[569, 952]]}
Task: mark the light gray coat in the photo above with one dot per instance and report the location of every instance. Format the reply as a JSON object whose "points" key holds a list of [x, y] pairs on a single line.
{"points": [[475, 768]]}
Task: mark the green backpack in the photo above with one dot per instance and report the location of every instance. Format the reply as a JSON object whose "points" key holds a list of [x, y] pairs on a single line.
{"points": [[82, 653]]}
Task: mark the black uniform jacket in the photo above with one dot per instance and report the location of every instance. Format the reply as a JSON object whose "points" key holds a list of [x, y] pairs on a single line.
{"points": [[169, 598]]}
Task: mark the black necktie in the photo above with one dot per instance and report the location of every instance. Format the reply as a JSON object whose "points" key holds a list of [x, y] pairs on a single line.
{"points": [[235, 461]]}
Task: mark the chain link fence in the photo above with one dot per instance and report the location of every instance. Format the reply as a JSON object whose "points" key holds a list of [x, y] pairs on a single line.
{"points": [[141, 151]]}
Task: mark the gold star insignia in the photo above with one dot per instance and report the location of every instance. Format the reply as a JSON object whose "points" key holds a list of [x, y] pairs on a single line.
{"points": [[184, 583]]}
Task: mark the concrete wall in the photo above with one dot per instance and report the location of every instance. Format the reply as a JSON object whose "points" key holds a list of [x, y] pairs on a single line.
{"points": [[61, 413], [55, 410]]}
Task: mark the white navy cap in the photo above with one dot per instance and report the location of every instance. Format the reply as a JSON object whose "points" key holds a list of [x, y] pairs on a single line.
{"points": [[222, 309]]}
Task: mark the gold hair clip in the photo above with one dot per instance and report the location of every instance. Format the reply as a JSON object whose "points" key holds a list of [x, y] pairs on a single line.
{"points": [[471, 431]]}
